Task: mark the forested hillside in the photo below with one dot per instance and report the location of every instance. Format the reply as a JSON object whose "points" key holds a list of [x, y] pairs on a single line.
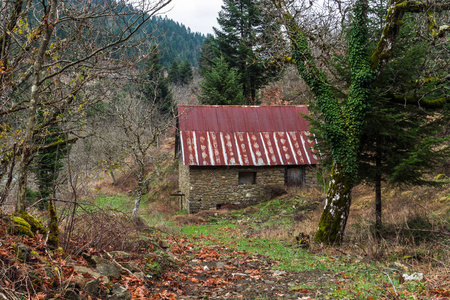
{"points": [[177, 43]]}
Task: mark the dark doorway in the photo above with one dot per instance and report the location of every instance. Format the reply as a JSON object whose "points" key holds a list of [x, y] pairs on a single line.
{"points": [[295, 176]]}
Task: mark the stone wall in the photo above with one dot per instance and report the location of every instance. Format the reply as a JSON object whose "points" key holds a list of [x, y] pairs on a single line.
{"points": [[209, 187], [183, 183], [310, 176]]}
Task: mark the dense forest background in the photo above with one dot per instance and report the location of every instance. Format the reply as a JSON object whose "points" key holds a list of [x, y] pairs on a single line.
{"points": [[176, 41]]}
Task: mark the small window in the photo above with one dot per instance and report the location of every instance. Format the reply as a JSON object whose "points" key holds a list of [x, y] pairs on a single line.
{"points": [[247, 178]]}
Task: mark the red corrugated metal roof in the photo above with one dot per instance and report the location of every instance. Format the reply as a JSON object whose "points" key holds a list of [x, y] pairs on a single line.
{"points": [[229, 135]]}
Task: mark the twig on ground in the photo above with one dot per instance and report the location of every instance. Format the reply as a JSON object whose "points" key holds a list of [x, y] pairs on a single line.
{"points": [[120, 266], [393, 286], [339, 250]]}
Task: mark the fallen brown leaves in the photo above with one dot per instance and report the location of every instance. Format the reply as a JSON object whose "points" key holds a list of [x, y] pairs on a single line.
{"points": [[213, 271], [207, 254]]}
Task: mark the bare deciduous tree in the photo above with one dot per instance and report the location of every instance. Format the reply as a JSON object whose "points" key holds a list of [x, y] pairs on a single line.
{"points": [[52, 55], [138, 124]]}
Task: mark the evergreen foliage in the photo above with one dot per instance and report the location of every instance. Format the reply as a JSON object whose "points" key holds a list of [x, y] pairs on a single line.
{"points": [[186, 74], [177, 42], [400, 143], [174, 73], [47, 165], [403, 137], [208, 52], [180, 74], [155, 86], [221, 85], [243, 23]]}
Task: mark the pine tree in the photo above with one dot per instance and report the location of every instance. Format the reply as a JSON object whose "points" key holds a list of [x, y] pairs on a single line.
{"points": [[208, 52], [221, 85], [186, 74], [400, 143], [242, 23], [155, 86], [174, 73], [399, 146]]}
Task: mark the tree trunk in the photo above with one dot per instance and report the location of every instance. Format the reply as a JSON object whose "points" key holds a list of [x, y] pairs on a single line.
{"points": [[22, 181], [378, 223], [34, 100], [113, 177], [137, 202], [53, 234], [334, 216], [7, 186]]}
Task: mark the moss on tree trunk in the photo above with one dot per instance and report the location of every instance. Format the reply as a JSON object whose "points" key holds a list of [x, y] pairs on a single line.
{"points": [[53, 235], [334, 217]]}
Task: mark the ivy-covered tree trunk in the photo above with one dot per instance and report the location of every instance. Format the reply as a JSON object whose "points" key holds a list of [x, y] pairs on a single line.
{"points": [[343, 122], [53, 235], [335, 213], [344, 119]]}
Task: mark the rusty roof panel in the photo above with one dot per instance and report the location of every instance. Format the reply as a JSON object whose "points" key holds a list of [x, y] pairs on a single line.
{"points": [[232, 118], [245, 135]]}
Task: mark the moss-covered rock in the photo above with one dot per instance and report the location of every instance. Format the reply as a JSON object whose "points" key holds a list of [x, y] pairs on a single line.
{"points": [[35, 224], [19, 226], [22, 252], [444, 199], [440, 177]]}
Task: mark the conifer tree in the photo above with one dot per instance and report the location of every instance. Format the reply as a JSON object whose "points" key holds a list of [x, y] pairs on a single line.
{"points": [[186, 74], [221, 85], [48, 163], [207, 54], [174, 73], [155, 85], [242, 23], [399, 146], [400, 143]]}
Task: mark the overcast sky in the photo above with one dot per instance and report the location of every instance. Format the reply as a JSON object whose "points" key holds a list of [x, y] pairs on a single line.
{"points": [[199, 15]]}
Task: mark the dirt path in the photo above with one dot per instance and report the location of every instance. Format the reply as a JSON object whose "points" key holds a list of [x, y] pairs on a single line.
{"points": [[216, 272]]}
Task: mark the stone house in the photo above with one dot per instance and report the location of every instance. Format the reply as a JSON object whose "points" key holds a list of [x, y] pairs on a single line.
{"points": [[242, 155]]}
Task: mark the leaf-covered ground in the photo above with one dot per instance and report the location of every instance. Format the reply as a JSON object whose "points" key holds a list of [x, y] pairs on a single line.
{"points": [[247, 254], [208, 268]]}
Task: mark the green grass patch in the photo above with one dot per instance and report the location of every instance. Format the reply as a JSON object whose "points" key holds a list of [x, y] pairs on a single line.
{"points": [[338, 277], [116, 202], [346, 277]]}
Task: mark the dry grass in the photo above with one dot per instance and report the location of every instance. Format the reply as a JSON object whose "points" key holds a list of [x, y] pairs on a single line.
{"points": [[99, 230], [416, 228], [188, 220]]}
